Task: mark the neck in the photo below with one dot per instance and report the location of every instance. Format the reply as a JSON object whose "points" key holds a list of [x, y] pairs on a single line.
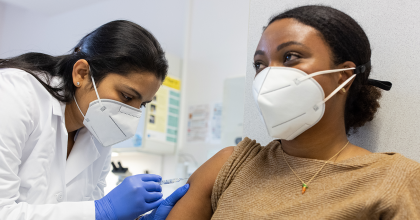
{"points": [[73, 118], [315, 145]]}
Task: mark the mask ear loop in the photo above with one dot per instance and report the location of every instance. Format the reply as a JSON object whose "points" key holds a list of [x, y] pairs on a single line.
{"points": [[97, 95], [303, 78], [316, 107], [94, 86], [74, 97], [338, 88]]}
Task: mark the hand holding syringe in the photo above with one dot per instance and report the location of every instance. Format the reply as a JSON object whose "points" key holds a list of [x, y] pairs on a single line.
{"points": [[166, 206], [170, 181]]}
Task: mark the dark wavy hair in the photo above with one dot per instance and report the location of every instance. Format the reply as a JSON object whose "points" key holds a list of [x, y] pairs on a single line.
{"points": [[348, 42], [116, 47]]}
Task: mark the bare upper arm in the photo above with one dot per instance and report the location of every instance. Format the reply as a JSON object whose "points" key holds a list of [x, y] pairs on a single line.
{"points": [[196, 203]]}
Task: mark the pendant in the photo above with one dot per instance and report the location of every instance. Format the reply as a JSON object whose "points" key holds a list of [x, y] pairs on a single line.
{"points": [[304, 187]]}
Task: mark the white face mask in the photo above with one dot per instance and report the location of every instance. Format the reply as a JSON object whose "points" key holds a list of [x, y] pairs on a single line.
{"points": [[290, 101], [110, 121]]}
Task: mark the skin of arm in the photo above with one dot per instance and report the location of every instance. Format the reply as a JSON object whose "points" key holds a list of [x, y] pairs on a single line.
{"points": [[196, 204]]}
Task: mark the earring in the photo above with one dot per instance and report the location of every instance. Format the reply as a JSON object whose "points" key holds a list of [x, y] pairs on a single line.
{"points": [[78, 84], [344, 90]]}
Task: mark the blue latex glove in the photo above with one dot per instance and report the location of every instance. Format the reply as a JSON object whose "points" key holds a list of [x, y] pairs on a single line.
{"points": [[134, 196], [166, 206]]}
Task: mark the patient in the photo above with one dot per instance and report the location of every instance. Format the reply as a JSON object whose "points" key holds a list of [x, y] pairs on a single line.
{"points": [[311, 172]]}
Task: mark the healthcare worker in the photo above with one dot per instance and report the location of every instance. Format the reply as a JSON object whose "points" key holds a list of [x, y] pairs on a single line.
{"points": [[59, 117]]}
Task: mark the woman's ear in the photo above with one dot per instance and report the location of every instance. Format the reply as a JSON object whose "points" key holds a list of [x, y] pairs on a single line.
{"points": [[345, 75], [80, 73]]}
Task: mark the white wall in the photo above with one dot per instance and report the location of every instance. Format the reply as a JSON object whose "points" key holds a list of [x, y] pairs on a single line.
{"points": [[2, 6], [50, 7], [217, 51], [393, 31], [25, 30]]}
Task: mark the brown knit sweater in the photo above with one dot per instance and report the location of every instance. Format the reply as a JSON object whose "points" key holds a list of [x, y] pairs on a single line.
{"points": [[256, 183]]}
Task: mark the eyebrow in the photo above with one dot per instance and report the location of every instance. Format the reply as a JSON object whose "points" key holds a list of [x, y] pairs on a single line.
{"points": [[283, 45], [139, 96], [259, 52]]}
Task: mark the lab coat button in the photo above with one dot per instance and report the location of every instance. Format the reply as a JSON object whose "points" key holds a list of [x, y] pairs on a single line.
{"points": [[59, 196]]}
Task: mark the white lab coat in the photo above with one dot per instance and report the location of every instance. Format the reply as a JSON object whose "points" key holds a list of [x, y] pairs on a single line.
{"points": [[36, 180]]}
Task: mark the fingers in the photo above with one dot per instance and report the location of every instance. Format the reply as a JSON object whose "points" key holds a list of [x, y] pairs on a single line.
{"points": [[177, 195], [154, 205], [150, 177], [152, 187], [152, 197]]}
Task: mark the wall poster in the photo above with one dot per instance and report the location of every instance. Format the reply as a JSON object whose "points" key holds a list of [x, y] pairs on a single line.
{"points": [[163, 112], [204, 123]]}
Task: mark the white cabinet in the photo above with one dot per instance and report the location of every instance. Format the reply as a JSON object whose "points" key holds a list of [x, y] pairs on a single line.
{"points": [[233, 111]]}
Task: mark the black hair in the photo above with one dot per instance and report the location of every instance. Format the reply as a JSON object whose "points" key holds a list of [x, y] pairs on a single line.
{"points": [[116, 47], [348, 42]]}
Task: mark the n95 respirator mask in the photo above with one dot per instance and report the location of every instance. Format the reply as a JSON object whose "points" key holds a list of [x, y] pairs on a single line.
{"points": [[290, 101], [110, 121]]}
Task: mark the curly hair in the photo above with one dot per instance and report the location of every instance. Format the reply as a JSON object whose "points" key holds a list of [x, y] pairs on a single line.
{"points": [[348, 42]]}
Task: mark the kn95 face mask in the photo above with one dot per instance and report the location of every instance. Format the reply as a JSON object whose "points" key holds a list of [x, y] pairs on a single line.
{"points": [[289, 100], [110, 121]]}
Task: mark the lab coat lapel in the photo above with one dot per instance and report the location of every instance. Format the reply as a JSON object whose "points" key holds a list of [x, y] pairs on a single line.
{"points": [[58, 109], [83, 154]]}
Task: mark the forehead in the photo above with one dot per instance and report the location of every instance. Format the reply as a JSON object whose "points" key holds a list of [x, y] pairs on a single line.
{"points": [[145, 83], [136, 79], [289, 29]]}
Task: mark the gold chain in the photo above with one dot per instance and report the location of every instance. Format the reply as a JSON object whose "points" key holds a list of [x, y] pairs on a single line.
{"points": [[305, 185]]}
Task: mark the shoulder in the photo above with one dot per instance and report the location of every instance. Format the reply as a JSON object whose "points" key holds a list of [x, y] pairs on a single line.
{"points": [[24, 93], [15, 88], [403, 166], [245, 149], [196, 204], [206, 174], [401, 188], [15, 75], [222, 156], [400, 171], [20, 80]]}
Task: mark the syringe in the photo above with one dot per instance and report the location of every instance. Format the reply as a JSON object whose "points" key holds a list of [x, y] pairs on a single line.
{"points": [[170, 181]]}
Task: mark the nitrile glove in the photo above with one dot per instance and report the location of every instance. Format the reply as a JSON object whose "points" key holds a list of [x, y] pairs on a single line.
{"points": [[134, 196], [166, 206]]}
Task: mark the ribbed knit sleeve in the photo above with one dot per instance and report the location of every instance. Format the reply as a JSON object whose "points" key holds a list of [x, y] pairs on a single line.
{"points": [[245, 151], [405, 199]]}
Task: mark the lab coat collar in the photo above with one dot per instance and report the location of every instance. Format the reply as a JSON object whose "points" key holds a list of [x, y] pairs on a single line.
{"points": [[58, 107], [83, 154]]}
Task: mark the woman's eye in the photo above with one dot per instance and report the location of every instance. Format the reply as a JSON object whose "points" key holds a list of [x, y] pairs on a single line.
{"points": [[290, 57], [258, 66], [126, 97]]}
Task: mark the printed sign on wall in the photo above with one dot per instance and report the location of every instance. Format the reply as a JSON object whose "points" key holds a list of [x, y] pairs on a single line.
{"points": [[204, 123], [163, 112]]}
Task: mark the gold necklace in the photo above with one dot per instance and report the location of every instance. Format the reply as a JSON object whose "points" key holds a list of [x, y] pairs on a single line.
{"points": [[305, 185]]}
